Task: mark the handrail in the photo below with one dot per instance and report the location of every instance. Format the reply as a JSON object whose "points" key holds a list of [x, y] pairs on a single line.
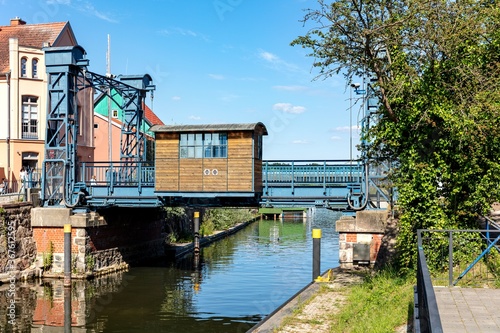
{"points": [[428, 313]]}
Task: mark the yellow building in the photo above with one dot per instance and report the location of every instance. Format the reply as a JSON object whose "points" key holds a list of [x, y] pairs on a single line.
{"points": [[23, 97]]}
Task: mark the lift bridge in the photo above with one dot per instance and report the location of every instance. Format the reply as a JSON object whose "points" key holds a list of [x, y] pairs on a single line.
{"points": [[131, 182]]}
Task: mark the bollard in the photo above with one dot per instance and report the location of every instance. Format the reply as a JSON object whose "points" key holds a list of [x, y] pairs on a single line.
{"points": [[67, 255], [196, 232], [316, 234]]}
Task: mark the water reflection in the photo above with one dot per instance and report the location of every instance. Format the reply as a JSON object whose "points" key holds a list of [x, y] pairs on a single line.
{"points": [[230, 287]]}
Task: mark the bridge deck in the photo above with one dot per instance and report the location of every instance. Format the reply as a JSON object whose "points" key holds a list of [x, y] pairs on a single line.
{"points": [[468, 309]]}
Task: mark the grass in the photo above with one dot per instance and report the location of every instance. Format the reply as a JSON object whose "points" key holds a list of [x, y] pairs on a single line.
{"points": [[381, 303]]}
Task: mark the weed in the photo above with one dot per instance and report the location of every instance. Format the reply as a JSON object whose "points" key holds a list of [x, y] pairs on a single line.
{"points": [[48, 257]]}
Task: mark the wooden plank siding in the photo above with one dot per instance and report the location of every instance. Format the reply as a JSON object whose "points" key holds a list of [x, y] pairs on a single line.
{"points": [[241, 171], [239, 154], [191, 175], [215, 174], [167, 162]]}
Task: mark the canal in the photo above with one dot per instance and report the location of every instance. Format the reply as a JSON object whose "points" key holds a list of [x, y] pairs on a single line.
{"points": [[236, 283]]}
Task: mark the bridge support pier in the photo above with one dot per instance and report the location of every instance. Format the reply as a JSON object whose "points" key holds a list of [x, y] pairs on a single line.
{"points": [[360, 238], [100, 242]]}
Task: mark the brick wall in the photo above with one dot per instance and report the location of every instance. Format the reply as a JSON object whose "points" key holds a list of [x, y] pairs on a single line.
{"points": [[44, 236], [346, 244], [123, 236]]}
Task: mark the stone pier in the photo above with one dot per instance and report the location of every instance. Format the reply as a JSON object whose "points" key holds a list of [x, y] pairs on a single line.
{"points": [[100, 242], [360, 237]]}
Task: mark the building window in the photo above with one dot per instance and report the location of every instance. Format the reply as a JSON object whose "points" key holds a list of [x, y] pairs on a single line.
{"points": [[259, 147], [96, 125], [34, 68], [24, 72], [30, 117], [203, 145], [115, 113]]}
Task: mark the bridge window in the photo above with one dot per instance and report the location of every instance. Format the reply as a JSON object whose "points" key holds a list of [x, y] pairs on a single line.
{"points": [[30, 117], [203, 145]]}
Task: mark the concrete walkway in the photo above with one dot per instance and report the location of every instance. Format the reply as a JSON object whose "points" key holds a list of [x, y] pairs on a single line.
{"points": [[474, 310]]}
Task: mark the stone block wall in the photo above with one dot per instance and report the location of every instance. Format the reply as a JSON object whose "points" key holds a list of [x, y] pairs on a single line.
{"points": [[100, 242], [17, 216], [347, 242], [128, 236], [366, 228], [105, 241]]}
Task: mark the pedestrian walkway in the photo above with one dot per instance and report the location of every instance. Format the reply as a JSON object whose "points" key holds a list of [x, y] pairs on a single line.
{"points": [[464, 310]]}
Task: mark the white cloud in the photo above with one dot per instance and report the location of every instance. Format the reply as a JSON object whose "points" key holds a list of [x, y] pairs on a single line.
{"points": [[290, 88], [183, 32], [229, 97], [216, 76], [58, 2], [276, 62], [176, 98], [346, 128], [335, 138], [194, 117], [289, 108], [268, 56], [84, 6], [300, 142]]}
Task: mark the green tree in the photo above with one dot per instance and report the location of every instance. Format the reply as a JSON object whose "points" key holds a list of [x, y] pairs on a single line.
{"points": [[435, 67]]}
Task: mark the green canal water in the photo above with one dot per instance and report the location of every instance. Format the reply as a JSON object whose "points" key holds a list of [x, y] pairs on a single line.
{"points": [[236, 282]]}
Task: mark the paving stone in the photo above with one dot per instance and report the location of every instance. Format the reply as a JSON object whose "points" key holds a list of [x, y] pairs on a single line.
{"points": [[469, 309]]}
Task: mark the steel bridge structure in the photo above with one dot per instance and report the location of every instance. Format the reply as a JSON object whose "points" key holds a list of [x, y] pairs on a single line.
{"points": [[335, 184]]}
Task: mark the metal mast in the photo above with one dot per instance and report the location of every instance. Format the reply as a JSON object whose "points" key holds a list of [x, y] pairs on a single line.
{"points": [[67, 74]]}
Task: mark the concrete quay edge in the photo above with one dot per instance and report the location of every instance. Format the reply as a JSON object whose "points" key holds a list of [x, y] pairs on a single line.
{"points": [[274, 320]]}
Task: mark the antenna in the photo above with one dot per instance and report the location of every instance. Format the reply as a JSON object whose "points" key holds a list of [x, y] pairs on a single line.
{"points": [[108, 74], [108, 58]]}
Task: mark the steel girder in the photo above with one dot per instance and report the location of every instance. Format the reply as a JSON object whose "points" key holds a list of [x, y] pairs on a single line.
{"points": [[67, 74], [59, 167]]}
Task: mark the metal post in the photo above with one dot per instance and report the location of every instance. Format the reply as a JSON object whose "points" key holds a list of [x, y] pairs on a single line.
{"points": [[316, 234], [450, 258], [196, 232], [67, 255]]}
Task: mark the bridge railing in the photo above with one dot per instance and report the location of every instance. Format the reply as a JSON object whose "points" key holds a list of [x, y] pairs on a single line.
{"points": [[312, 172], [426, 316], [117, 174], [465, 258]]}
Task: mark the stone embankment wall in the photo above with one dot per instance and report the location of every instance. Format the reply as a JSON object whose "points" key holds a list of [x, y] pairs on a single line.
{"points": [[361, 238], [128, 236], [16, 235], [101, 242]]}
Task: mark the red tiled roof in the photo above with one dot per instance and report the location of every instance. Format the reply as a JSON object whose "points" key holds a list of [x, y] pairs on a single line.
{"points": [[31, 35], [151, 117]]}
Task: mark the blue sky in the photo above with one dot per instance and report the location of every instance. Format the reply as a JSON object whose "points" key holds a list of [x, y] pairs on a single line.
{"points": [[215, 61]]}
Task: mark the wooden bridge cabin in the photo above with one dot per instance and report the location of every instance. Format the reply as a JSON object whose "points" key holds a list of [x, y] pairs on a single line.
{"points": [[219, 163]]}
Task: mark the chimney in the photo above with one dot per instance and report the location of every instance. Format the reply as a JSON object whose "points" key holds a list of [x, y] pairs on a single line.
{"points": [[17, 21]]}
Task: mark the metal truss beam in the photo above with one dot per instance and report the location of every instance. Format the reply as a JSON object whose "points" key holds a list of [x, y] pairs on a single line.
{"points": [[67, 75]]}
